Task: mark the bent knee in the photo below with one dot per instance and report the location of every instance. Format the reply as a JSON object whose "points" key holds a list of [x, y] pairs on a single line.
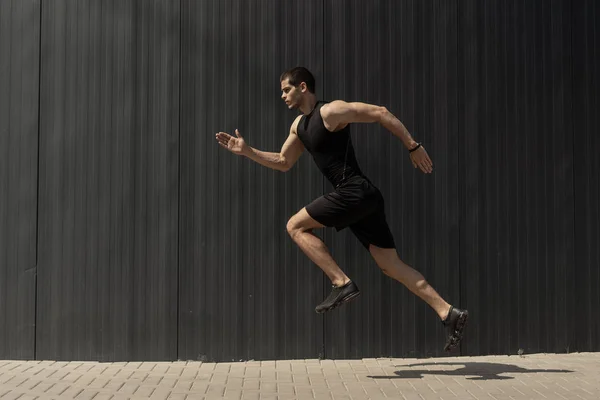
{"points": [[290, 226], [293, 226]]}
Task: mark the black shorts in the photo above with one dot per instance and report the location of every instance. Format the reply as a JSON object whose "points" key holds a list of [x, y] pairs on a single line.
{"points": [[356, 204]]}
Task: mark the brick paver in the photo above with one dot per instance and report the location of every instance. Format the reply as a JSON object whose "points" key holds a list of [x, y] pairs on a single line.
{"points": [[536, 376]]}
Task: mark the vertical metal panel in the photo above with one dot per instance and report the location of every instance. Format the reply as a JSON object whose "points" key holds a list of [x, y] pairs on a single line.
{"points": [[401, 55], [19, 76], [246, 291], [517, 165], [586, 139], [109, 180]]}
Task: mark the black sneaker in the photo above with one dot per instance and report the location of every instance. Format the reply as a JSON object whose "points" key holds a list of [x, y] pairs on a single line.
{"points": [[338, 295], [455, 323]]}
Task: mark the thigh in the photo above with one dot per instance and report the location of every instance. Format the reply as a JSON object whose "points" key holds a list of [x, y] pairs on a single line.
{"points": [[302, 220], [384, 257], [339, 211], [374, 230]]}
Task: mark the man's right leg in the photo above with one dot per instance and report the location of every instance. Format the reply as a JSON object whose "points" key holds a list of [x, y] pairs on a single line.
{"points": [[300, 228]]}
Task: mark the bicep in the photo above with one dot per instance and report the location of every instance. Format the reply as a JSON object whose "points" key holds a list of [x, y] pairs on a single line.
{"points": [[292, 149], [341, 112]]}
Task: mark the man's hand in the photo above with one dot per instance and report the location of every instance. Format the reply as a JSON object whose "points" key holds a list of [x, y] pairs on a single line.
{"points": [[236, 145], [421, 159]]}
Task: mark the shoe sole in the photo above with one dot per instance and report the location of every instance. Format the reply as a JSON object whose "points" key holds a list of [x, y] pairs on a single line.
{"points": [[458, 332], [346, 299]]}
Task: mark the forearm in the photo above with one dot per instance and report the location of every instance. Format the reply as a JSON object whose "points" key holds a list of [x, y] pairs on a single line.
{"points": [[266, 159], [393, 124]]}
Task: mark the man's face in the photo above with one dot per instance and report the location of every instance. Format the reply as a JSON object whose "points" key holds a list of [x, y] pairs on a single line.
{"points": [[292, 95]]}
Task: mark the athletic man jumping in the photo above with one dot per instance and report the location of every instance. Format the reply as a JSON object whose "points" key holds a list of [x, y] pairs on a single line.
{"points": [[323, 129]]}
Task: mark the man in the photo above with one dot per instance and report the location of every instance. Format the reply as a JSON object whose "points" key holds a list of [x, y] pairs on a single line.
{"points": [[323, 129]]}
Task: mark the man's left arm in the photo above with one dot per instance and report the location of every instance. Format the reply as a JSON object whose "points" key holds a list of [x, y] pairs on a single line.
{"points": [[340, 113]]}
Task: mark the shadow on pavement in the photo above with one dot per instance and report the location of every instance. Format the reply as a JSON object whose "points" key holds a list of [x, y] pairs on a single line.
{"points": [[480, 371]]}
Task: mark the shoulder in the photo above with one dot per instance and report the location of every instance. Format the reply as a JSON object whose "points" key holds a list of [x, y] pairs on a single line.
{"points": [[332, 114], [333, 108]]}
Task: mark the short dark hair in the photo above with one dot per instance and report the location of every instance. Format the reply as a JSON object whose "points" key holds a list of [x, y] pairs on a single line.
{"points": [[298, 75]]}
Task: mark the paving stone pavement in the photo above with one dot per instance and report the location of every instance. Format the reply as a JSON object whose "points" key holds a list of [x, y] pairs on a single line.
{"points": [[536, 376]]}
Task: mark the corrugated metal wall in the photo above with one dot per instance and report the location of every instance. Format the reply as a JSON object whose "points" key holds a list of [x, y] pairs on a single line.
{"points": [[246, 291], [19, 77], [108, 196], [586, 166], [516, 160], [401, 55], [155, 243]]}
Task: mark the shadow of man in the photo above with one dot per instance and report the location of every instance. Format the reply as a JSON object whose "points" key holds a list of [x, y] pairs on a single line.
{"points": [[479, 371]]}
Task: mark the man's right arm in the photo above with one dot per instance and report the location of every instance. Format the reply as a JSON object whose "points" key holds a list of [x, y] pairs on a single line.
{"points": [[284, 160]]}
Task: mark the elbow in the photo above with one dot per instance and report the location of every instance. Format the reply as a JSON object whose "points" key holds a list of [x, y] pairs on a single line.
{"points": [[382, 113], [284, 165]]}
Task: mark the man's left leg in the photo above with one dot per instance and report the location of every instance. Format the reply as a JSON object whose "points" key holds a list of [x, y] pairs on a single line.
{"points": [[453, 319], [391, 265]]}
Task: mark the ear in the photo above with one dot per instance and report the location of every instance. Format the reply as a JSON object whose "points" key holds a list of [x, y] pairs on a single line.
{"points": [[303, 87]]}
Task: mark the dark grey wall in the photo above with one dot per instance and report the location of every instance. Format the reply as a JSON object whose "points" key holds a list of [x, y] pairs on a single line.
{"points": [[586, 165], [108, 196], [155, 243], [401, 55], [516, 168], [245, 291], [19, 77]]}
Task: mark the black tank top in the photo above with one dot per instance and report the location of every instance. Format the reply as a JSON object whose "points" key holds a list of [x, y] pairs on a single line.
{"points": [[332, 151]]}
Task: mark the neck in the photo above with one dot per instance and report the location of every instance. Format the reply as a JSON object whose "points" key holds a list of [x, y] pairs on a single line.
{"points": [[309, 105]]}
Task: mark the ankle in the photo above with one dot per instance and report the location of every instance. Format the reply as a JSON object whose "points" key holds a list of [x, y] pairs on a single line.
{"points": [[340, 282], [445, 313]]}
